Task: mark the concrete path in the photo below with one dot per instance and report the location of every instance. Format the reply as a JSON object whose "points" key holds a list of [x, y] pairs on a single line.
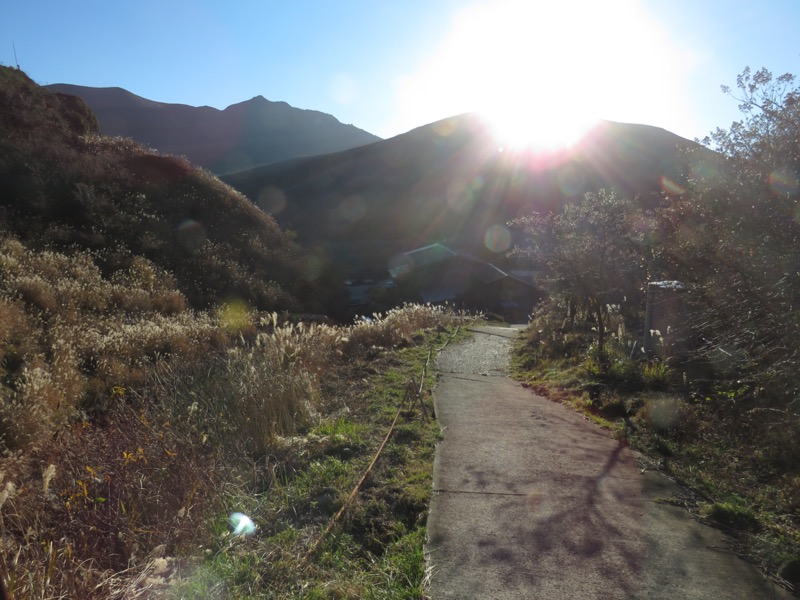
{"points": [[533, 501]]}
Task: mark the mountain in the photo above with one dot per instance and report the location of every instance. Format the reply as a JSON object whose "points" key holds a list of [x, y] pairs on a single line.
{"points": [[66, 189], [243, 135], [449, 181]]}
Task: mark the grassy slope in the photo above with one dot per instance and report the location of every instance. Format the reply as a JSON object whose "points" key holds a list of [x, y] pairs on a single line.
{"points": [[137, 506], [63, 187], [113, 259]]}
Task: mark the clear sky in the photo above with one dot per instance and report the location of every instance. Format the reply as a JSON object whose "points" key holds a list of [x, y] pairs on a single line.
{"points": [[389, 66]]}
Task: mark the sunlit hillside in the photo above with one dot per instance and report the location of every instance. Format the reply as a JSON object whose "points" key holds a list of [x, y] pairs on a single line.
{"points": [[107, 252]]}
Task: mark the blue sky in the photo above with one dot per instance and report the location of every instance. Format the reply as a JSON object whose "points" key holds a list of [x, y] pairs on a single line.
{"points": [[390, 66]]}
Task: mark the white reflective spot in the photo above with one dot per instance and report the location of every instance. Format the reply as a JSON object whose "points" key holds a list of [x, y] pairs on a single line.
{"points": [[241, 524]]}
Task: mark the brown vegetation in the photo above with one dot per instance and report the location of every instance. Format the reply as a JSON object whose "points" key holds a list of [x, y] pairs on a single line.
{"points": [[144, 369], [92, 503], [64, 187]]}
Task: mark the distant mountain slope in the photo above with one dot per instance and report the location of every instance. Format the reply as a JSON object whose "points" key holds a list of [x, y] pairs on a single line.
{"points": [[449, 181], [243, 135]]}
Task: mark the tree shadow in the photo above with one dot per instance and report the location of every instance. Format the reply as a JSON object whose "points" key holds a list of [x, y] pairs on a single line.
{"points": [[598, 532]]}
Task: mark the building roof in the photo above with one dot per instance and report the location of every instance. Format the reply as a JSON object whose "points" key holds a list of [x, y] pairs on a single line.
{"points": [[429, 254], [484, 271]]}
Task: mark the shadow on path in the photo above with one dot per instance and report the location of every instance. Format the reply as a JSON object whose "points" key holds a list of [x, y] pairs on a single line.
{"points": [[533, 501]]}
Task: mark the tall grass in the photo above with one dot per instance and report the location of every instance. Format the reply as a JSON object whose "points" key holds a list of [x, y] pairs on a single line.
{"points": [[90, 504], [70, 335], [273, 386]]}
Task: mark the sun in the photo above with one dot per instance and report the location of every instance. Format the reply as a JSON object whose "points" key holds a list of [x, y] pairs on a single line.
{"points": [[542, 72], [538, 129]]}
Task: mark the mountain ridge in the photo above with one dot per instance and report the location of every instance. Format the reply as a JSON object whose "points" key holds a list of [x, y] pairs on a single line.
{"points": [[65, 188], [244, 134], [447, 181]]}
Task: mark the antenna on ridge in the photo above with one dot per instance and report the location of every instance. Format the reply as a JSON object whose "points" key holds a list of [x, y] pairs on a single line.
{"points": [[13, 45]]}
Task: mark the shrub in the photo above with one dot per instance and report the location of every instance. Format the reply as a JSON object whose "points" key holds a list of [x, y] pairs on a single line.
{"points": [[169, 302], [68, 335], [624, 373], [656, 375], [41, 401]]}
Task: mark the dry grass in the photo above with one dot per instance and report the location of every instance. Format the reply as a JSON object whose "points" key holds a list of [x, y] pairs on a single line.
{"points": [[395, 327], [69, 335], [89, 504]]}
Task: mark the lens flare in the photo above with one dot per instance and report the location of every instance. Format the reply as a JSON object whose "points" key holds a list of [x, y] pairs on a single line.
{"points": [[462, 194], [671, 188], [784, 182], [497, 238], [234, 315], [352, 209], [315, 267], [663, 413], [272, 200], [445, 127], [241, 524], [191, 234], [571, 181]]}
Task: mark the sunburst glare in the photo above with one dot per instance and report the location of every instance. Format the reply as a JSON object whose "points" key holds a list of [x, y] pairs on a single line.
{"points": [[521, 128], [542, 73]]}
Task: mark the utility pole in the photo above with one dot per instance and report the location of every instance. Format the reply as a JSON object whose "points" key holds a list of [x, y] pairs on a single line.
{"points": [[13, 45]]}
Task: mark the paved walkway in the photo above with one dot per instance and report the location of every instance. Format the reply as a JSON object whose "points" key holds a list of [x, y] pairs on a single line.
{"points": [[533, 501]]}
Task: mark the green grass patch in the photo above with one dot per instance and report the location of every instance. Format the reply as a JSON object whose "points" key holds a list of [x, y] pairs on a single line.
{"points": [[733, 515], [376, 549]]}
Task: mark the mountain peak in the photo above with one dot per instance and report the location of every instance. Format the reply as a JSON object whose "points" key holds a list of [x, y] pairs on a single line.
{"points": [[244, 135], [262, 101]]}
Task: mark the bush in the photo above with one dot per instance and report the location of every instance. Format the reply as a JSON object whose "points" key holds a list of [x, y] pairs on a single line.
{"points": [[624, 374], [68, 335], [656, 375]]}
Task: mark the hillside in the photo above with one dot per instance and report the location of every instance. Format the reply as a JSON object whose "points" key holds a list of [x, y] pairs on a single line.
{"points": [[66, 188], [113, 258], [448, 181], [144, 395], [250, 133]]}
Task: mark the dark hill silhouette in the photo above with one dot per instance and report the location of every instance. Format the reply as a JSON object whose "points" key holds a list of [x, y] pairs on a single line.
{"points": [[448, 181], [243, 135]]}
